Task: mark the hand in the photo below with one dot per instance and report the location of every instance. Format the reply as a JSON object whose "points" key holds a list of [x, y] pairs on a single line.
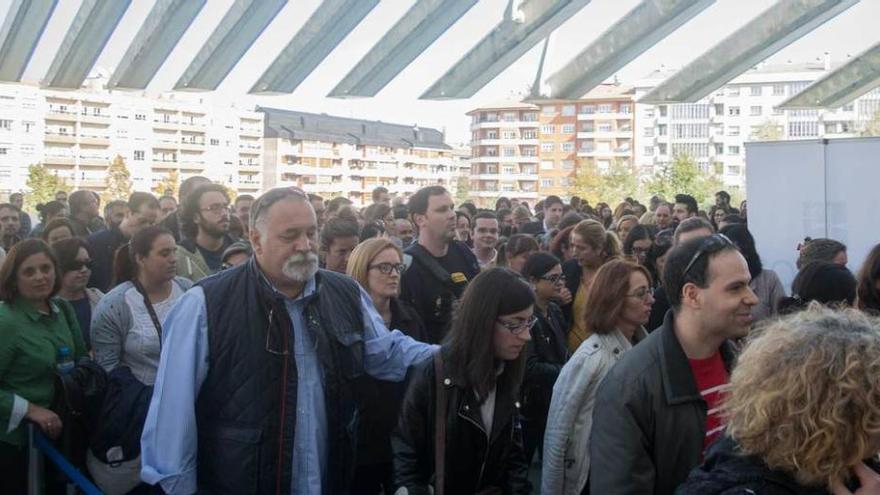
{"points": [[869, 482], [564, 296], [47, 420]]}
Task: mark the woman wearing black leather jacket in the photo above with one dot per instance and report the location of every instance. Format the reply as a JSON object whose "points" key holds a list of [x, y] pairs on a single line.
{"points": [[482, 366]]}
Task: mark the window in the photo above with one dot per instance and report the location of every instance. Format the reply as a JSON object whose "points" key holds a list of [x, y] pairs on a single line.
{"points": [[803, 129], [568, 110], [662, 148], [509, 151], [604, 108], [690, 111], [548, 129], [215, 142], [140, 116], [734, 170], [649, 113], [778, 111], [530, 117], [27, 150], [530, 134], [588, 109], [648, 150], [755, 91], [661, 130], [849, 107], [733, 130], [733, 111], [28, 125], [690, 131], [663, 110], [547, 182], [139, 155], [733, 91], [548, 147], [568, 128], [625, 108], [508, 134], [508, 169], [719, 149], [605, 127], [492, 134], [546, 164], [779, 90], [733, 150], [509, 116], [568, 164], [4, 151], [569, 146], [548, 110], [719, 109], [6, 125], [696, 150], [755, 110], [648, 132]]}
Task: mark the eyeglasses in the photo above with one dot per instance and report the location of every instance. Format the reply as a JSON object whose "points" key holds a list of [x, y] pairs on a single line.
{"points": [[711, 244], [642, 293], [387, 268], [217, 208], [518, 328], [77, 265], [554, 279], [640, 250], [269, 349]]}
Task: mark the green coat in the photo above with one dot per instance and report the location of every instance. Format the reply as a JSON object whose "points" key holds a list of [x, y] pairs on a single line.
{"points": [[29, 343]]}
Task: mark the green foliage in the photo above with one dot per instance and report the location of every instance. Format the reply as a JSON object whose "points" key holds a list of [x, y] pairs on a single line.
{"points": [[683, 176], [871, 127], [770, 130], [611, 186], [118, 181], [171, 182], [42, 185], [463, 190]]}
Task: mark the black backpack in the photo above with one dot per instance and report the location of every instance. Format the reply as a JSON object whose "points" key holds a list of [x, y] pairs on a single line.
{"points": [[117, 434]]}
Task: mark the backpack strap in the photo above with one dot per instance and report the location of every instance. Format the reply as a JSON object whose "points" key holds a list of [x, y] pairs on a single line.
{"points": [[422, 255]]}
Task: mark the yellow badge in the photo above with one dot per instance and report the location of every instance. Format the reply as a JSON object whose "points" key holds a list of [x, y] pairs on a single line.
{"points": [[458, 277]]}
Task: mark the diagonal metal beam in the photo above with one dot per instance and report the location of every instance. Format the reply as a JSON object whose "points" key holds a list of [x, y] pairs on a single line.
{"points": [[769, 32], [88, 34], [322, 32], [240, 27], [425, 21], [161, 31], [526, 25], [21, 31], [638, 30], [843, 85]]}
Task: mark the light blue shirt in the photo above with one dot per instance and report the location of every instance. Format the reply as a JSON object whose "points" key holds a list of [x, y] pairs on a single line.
{"points": [[169, 441]]}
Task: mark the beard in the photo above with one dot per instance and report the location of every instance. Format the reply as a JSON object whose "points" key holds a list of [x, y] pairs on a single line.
{"points": [[301, 266]]}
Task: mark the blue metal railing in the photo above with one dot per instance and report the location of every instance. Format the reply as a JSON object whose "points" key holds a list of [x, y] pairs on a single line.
{"points": [[40, 446]]}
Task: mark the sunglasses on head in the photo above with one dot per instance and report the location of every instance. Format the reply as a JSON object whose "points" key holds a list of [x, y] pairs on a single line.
{"points": [[711, 244], [78, 265]]}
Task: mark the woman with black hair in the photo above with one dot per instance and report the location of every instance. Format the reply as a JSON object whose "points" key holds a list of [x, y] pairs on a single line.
{"points": [[638, 242], [473, 381], [828, 283], [547, 351], [765, 283]]}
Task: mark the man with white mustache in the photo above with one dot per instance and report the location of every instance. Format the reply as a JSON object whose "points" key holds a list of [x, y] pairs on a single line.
{"points": [[257, 388]]}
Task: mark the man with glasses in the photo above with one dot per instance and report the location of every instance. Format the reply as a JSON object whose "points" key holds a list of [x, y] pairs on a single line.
{"points": [[658, 409], [205, 225], [261, 396], [142, 211]]}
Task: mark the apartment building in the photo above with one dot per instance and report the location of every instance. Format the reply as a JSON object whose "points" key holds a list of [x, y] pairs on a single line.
{"points": [[335, 156], [715, 129], [504, 152], [77, 134]]}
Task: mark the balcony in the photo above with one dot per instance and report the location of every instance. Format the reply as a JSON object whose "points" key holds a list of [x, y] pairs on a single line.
{"points": [[52, 137], [66, 116], [94, 161], [192, 145], [605, 116], [250, 131], [91, 118], [164, 165], [94, 139], [59, 159], [165, 124], [249, 165]]}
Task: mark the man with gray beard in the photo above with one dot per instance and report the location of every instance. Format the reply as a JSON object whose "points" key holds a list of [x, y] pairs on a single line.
{"points": [[261, 395]]}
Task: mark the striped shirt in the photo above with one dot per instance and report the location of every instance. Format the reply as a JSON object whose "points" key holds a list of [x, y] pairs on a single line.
{"points": [[711, 378]]}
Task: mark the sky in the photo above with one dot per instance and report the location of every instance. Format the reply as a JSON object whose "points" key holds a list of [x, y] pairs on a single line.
{"points": [[848, 34]]}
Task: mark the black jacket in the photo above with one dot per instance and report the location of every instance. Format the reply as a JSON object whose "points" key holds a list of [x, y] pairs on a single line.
{"points": [[473, 461], [546, 354], [572, 271], [102, 247], [649, 423], [726, 472], [381, 399]]}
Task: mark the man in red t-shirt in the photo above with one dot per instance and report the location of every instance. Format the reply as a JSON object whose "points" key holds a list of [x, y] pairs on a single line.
{"points": [[657, 409]]}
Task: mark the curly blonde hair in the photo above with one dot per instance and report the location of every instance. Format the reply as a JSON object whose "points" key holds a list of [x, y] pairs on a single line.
{"points": [[804, 396]]}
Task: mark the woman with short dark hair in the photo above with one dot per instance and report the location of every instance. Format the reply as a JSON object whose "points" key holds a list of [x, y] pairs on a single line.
{"points": [[47, 212], [480, 368], [617, 307], [58, 229], [38, 334]]}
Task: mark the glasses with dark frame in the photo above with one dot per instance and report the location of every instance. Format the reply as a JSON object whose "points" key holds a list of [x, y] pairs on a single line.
{"points": [[518, 328], [387, 268], [77, 265], [554, 279], [711, 244]]}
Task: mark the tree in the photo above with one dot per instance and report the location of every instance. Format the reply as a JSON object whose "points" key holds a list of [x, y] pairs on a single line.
{"points": [[171, 183], [118, 181], [462, 189], [42, 186], [611, 186], [683, 176], [871, 127], [770, 130]]}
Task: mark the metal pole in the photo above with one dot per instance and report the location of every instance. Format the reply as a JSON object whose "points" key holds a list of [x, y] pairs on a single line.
{"points": [[35, 464]]}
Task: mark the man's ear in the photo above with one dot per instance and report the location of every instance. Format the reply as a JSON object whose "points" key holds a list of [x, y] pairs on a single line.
{"points": [[691, 296], [254, 236]]}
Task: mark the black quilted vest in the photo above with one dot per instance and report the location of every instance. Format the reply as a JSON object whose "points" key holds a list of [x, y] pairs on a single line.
{"points": [[246, 408]]}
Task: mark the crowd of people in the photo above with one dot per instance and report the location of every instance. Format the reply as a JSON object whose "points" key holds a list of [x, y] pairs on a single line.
{"points": [[295, 344]]}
